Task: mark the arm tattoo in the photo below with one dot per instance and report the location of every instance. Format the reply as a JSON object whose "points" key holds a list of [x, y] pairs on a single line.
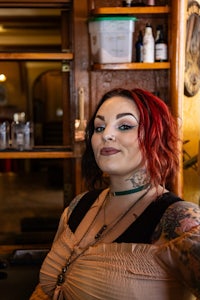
{"points": [[179, 218], [180, 226]]}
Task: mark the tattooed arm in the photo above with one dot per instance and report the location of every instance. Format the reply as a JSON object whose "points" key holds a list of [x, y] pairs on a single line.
{"points": [[179, 218], [179, 236]]}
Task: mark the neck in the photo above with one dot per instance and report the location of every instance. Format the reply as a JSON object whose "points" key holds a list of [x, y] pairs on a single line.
{"points": [[131, 191]]}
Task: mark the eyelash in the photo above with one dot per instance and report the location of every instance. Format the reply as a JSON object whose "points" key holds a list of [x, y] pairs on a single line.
{"points": [[122, 127]]}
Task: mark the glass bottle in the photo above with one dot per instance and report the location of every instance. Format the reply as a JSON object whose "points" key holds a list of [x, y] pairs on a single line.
{"points": [[160, 46], [21, 133], [148, 45], [139, 48], [4, 135], [28, 135]]}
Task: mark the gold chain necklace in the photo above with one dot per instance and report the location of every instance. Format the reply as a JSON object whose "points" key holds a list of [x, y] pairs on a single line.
{"points": [[98, 237]]}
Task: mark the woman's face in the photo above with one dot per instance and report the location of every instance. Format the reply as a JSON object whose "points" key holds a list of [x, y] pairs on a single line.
{"points": [[115, 138]]}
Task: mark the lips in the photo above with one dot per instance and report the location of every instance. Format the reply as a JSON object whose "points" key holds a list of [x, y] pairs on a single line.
{"points": [[106, 151]]}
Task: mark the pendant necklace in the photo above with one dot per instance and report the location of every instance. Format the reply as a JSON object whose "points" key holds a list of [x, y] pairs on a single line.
{"points": [[121, 193], [99, 236]]}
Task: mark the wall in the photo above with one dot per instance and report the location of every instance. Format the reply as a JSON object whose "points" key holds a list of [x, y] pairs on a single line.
{"points": [[191, 132], [191, 121]]}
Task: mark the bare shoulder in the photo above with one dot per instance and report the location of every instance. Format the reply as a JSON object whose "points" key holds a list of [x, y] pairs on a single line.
{"points": [[179, 218]]}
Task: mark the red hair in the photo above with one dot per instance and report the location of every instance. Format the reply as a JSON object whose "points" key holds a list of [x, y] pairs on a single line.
{"points": [[157, 135]]}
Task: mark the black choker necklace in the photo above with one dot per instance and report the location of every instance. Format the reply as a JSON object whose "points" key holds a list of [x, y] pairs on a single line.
{"points": [[132, 191]]}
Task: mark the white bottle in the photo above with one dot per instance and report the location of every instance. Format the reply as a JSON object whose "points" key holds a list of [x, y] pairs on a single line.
{"points": [[148, 45]]}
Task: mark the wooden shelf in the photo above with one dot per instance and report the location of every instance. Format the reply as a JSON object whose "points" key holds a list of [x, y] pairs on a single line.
{"points": [[35, 3], [131, 10], [38, 152], [36, 56], [132, 66]]}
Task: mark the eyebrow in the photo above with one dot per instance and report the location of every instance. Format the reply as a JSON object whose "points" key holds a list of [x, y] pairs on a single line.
{"points": [[121, 115]]}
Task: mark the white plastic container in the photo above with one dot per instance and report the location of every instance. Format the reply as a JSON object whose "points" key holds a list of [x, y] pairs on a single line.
{"points": [[111, 39]]}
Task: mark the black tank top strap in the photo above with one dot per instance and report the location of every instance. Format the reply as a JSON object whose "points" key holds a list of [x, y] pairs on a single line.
{"points": [[81, 208], [142, 229]]}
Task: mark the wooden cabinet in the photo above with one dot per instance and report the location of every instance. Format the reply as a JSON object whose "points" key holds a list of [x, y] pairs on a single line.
{"points": [[64, 56], [152, 76]]}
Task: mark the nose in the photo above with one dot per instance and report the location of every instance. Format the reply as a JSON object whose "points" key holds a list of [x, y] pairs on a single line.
{"points": [[109, 137], [109, 134]]}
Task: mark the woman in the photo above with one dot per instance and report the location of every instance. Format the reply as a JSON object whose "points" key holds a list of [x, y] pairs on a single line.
{"points": [[133, 239]]}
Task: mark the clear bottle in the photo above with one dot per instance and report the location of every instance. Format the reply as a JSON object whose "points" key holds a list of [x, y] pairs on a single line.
{"points": [[148, 45], [28, 135], [21, 133], [139, 48], [160, 46], [4, 135]]}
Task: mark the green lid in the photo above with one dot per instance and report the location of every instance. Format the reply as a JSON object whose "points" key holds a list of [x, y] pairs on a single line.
{"points": [[112, 18]]}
